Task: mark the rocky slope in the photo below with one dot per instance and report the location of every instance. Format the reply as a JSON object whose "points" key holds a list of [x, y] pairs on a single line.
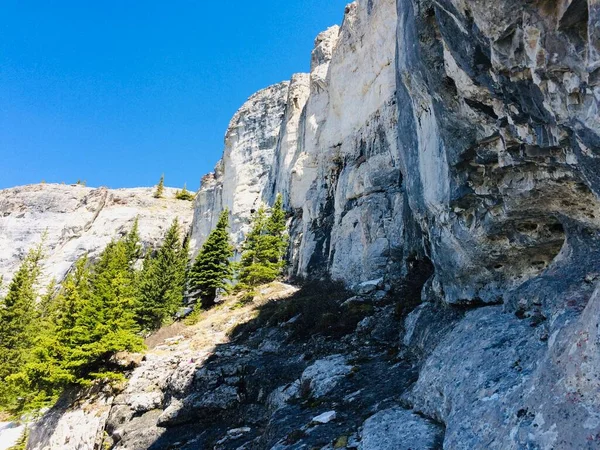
{"points": [[445, 150], [78, 220]]}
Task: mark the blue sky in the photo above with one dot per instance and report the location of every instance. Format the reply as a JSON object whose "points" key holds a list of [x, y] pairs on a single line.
{"points": [[117, 92]]}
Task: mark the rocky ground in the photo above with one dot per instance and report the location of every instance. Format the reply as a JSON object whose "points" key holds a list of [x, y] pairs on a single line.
{"points": [[282, 371]]}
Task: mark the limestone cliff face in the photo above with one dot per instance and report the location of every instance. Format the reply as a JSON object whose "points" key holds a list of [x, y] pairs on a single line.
{"points": [[328, 142], [499, 137], [78, 220]]}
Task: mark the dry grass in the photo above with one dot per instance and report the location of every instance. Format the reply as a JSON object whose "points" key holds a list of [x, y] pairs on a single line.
{"points": [[215, 325]]}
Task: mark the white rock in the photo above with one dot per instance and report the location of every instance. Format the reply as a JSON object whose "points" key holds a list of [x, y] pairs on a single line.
{"points": [[324, 375], [79, 220], [326, 417], [9, 434]]}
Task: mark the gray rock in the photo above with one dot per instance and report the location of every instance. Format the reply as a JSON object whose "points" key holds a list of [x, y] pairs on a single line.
{"points": [[78, 220], [281, 396], [368, 287], [323, 375], [399, 429]]}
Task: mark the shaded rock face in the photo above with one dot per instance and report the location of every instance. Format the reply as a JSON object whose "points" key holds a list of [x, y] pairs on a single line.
{"points": [[78, 220], [498, 140]]}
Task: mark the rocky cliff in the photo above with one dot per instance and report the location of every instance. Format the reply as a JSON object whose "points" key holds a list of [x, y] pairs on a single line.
{"points": [[440, 159], [77, 220]]}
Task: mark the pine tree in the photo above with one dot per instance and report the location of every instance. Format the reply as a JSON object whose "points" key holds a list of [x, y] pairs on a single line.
{"points": [[276, 233], [162, 282], [213, 268], [264, 248], [160, 188], [41, 379], [18, 317]]}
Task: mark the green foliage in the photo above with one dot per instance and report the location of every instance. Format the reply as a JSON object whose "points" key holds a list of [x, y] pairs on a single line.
{"points": [[162, 281], [70, 336], [18, 316], [132, 242], [81, 183], [264, 249], [212, 268], [160, 187], [193, 318], [184, 194], [106, 323]]}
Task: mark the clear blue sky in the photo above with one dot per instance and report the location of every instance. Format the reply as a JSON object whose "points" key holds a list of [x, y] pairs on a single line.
{"points": [[117, 92]]}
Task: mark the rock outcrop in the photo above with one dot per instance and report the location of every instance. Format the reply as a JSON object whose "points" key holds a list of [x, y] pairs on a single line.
{"points": [[327, 141], [441, 159], [76, 220]]}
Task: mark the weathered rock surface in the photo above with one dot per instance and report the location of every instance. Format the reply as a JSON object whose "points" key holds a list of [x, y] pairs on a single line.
{"points": [[78, 220], [399, 429]]}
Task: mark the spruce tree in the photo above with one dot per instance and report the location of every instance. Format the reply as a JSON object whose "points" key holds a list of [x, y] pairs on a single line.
{"points": [[162, 282], [46, 373], [276, 234], [213, 268], [18, 319], [160, 187], [264, 248]]}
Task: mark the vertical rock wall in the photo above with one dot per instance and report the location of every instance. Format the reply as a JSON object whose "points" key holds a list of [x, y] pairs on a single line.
{"points": [[328, 142]]}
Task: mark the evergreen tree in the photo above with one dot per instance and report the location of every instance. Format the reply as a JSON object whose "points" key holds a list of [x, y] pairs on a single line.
{"points": [[160, 188], [105, 324], [44, 375], [184, 194], [162, 282], [264, 249], [18, 319], [213, 268], [132, 242], [276, 234]]}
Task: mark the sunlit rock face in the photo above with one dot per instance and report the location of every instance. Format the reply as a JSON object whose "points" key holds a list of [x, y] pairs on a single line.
{"points": [[76, 220], [241, 178], [327, 141]]}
